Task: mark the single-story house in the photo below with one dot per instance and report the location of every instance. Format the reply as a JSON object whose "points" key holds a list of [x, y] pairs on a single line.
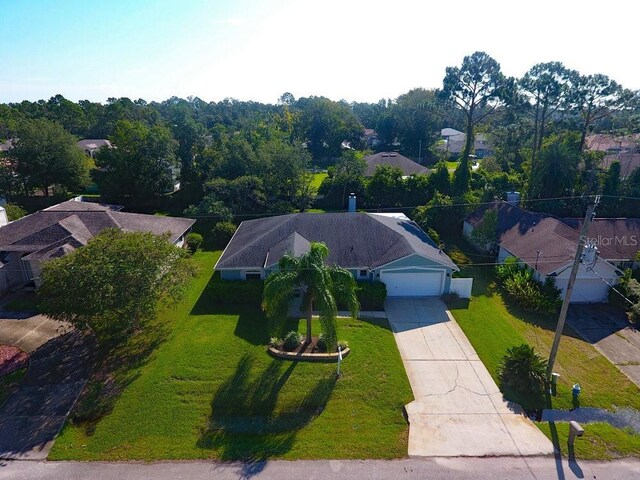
{"points": [[618, 235], [373, 246], [548, 246], [90, 146], [454, 144], [629, 162], [408, 166], [60, 229]]}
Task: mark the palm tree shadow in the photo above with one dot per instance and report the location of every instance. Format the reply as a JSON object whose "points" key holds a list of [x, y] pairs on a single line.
{"points": [[245, 424]]}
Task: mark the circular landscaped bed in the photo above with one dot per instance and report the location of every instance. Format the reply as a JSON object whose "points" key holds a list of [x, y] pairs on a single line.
{"points": [[307, 353], [12, 358]]}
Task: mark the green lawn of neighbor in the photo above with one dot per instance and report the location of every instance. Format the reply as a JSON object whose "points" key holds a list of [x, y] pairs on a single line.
{"points": [[211, 391], [317, 179], [492, 323]]}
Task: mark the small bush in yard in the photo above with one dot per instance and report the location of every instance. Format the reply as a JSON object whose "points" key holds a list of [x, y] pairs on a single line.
{"points": [[628, 289], [523, 371], [193, 241], [530, 294], [291, 341]]}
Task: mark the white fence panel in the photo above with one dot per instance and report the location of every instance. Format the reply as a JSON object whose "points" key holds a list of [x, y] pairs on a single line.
{"points": [[462, 286]]}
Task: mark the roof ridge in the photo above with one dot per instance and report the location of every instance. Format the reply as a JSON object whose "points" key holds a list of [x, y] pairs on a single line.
{"points": [[291, 217], [113, 219]]}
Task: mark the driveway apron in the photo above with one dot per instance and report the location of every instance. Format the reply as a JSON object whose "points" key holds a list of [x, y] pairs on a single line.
{"points": [[458, 409], [59, 366]]}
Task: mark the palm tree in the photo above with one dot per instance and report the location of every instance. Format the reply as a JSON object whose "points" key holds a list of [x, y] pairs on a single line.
{"points": [[321, 285]]}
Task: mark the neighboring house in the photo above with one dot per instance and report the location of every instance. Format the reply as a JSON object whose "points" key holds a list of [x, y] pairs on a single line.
{"points": [[60, 229], [408, 166], [619, 235], [454, 142], [450, 132], [629, 162], [7, 145], [91, 146], [604, 142], [548, 247], [386, 247], [370, 138]]}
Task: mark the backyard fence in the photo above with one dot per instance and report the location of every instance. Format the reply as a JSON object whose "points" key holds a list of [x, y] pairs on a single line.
{"points": [[461, 286]]}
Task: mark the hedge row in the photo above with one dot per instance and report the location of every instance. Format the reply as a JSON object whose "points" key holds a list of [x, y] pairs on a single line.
{"points": [[371, 295], [235, 292]]}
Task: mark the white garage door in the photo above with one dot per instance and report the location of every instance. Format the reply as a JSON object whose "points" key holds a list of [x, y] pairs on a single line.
{"points": [[423, 284], [590, 291]]}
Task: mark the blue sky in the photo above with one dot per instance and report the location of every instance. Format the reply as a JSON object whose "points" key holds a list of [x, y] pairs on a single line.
{"points": [[258, 49]]}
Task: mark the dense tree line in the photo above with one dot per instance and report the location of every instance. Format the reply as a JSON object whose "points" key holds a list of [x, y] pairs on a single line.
{"points": [[250, 158]]}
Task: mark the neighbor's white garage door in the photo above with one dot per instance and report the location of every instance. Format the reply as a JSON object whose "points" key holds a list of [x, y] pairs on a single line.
{"points": [[588, 290], [423, 284]]}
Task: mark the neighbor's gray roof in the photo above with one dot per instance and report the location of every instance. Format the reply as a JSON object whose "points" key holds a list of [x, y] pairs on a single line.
{"points": [[408, 166], [525, 233], [450, 132], [355, 240], [74, 223], [94, 143]]}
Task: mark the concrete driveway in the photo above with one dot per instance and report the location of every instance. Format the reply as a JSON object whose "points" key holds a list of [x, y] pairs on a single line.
{"points": [[458, 408], [31, 332], [59, 365], [610, 332]]}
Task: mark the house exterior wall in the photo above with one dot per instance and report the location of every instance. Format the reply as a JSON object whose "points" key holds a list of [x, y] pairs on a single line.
{"points": [[410, 264]]}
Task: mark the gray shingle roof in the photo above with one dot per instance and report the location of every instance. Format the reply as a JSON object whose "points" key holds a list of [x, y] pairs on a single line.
{"points": [[408, 166], [76, 222], [355, 240]]}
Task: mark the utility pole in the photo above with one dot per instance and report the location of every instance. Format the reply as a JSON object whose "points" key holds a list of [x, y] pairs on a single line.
{"points": [[591, 211]]}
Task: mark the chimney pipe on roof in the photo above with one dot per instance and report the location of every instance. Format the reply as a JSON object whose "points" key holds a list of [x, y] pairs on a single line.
{"points": [[513, 198], [352, 202]]}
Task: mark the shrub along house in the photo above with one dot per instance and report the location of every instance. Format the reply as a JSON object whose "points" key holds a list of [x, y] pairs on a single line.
{"points": [[548, 246], [60, 229], [385, 247]]}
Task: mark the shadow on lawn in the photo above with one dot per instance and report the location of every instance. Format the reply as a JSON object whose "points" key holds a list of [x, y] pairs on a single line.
{"points": [[244, 423], [117, 365]]}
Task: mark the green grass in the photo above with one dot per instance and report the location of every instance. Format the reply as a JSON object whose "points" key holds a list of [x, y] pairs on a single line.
{"points": [[600, 441], [493, 323], [211, 391], [317, 179], [451, 166]]}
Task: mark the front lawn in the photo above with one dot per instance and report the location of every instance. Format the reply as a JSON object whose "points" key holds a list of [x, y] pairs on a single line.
{"points": [[317, 180], [211, 391], [493, 323]]}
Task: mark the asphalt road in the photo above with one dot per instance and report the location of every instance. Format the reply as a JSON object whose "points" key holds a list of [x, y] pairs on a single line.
{"points": [[511, 468]]}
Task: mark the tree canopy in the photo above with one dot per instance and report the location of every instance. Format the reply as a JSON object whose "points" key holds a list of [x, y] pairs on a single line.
{"points": [[322, 287], [46, 155], [114, 283]]}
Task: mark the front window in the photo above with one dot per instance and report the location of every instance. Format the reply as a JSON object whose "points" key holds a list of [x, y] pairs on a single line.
{"points": [[363, 273], [252, 276]]}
